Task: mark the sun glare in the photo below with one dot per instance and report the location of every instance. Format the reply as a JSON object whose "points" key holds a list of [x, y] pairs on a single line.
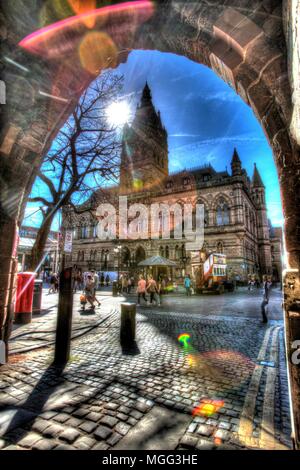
{"points": [[118, 113]]}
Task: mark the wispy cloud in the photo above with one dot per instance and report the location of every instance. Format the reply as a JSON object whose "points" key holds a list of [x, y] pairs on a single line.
{"points": [[246, 138]]}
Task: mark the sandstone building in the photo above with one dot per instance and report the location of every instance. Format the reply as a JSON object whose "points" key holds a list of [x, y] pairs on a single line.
{"points": [[235, 213]]}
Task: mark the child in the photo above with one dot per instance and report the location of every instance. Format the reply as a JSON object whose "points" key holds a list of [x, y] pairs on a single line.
{"points": [[83, 301]]}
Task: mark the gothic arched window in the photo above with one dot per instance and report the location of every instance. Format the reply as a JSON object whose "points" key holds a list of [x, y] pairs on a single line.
{"points": [[220, 248], [84, 231], [161, 251], [167, 252], [223, 217]]}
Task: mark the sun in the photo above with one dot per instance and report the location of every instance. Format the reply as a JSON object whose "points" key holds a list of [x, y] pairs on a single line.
{"points": [[118, 113]]}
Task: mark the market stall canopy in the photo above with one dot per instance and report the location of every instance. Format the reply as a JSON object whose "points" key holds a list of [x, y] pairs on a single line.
{"points": [[157, 261]]}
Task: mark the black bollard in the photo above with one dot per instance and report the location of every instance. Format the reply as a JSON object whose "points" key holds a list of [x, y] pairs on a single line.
{"points": [[115, 289], [128, 324], [64, 318]]}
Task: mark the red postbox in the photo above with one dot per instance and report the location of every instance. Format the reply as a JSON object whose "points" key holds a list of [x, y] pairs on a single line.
{"points": [[24, 297]]}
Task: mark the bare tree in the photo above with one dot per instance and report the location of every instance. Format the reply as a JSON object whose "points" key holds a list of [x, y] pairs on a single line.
{"points": [[83, 156]]}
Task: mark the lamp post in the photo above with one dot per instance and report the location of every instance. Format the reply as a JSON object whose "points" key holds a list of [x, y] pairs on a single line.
{"points": [[117, 250]]}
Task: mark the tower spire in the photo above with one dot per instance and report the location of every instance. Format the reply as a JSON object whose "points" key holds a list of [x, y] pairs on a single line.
{"points": [[256, 179], [236, 164]]}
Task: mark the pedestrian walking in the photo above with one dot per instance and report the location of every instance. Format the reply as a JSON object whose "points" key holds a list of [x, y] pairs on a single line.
{"points": [[159, 291], [266, 298], [141, 290], [152, 288], [107, 279], [124, 285], [95, 278], [52, 284], [129, 285], [78, 281], [187, 284], [89, 290], [56, 283]]}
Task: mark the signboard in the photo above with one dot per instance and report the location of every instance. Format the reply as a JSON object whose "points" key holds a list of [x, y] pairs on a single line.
{"points": [[68, 241]]}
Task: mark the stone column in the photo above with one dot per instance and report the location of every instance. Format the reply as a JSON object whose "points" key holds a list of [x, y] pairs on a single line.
{"points": [[291, 285]]}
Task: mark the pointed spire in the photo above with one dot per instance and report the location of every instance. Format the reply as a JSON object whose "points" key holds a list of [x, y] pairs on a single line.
{"points": [[236, 164], [235, 157], [256, 179], [146, 95]]}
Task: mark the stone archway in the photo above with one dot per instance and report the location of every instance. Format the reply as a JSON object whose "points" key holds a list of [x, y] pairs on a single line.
{"points": [[248, 48], [140, 255]]}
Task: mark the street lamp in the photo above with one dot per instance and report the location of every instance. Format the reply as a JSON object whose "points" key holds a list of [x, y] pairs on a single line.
{"points": [[117, 250], [184, 260]]}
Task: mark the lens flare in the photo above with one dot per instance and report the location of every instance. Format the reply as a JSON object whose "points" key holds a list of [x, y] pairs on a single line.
{"points": [[191, 360], [81, 7], [137, 184], [56, 39], [184, 339], [118, 113], [97, 51], [207, 407]]}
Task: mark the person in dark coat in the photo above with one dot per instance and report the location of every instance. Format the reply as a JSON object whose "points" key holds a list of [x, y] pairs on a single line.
{"points": [[266, 297]]}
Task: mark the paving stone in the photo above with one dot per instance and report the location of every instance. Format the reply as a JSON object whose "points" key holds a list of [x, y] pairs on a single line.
{"points": [[69, 435], [109, 421], [40, 425], [12, 447], [73, 422], [224, 425], [113, 439], [61, 418], [192, 427], [44, 444], [122, 428], [30, 439], [102, 432], [88, 426], [204, 444], [64, 447], [94, 416], [84, 443], [53, 430], [101, 446], [49, 414], [132, 421], [143, 407], [136, 414], [222, 434], [205, 430], [124, 409], [122, 416], [111, 406], [81, 413], [189, 441]]}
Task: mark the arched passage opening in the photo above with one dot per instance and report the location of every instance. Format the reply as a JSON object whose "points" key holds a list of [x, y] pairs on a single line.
{"points": [[249, 52]]}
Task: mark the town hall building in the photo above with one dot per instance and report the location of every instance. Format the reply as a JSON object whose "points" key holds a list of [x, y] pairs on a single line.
{"points": [[235, 213]]}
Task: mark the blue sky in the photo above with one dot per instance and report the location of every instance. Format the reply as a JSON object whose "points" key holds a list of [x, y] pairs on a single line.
{"points": [[204, 117]]}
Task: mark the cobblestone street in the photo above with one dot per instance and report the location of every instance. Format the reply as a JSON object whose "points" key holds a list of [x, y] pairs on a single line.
{"points": [[227, 390]]}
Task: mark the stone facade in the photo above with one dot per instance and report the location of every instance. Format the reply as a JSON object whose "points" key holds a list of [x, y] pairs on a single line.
{"points": [[235, 213]]}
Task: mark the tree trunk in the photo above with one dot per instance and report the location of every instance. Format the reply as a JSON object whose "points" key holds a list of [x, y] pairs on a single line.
{"points": [[38, 250]]}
